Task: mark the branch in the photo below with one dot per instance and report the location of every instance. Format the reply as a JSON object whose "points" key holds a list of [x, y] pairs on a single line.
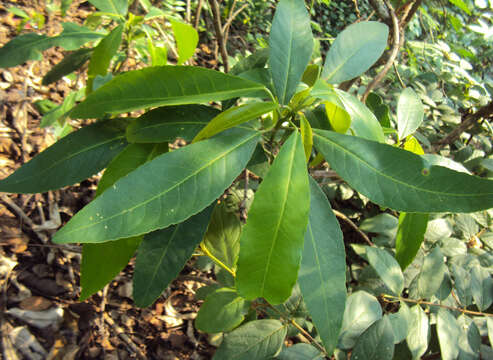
{"points": [[197, 15], [340, 215], [219, 34]]}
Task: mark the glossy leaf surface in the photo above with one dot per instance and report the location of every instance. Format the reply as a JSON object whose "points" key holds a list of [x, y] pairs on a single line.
{"points": [[162, 85], [291, 45], [322, 276], [73, 158], [272, 240], [387, 268], [69, 64], [410, 113], [376, 343], [186, 38], [401, 180], [410, 235], [163, 254], [165, 188], [339, 119]]}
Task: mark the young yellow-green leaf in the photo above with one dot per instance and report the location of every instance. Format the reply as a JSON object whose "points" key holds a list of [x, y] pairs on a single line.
{"points": [[170, 122], [258, 339], [461, 5], [419, 327], [339, 118], [73, 158], [387, 268], [355, 50], [431, 275], [398, 179], [69, 64], [306, 136], [102, 55], [410, 113], [412, 145], [222, 239], [234, 116], [186, 38], [163, 254], [117, 7], [159, 54], [223, 310], [162, 85], [164, 188], [410, 235], [272, 240], [322, 276], [291, 45], [376, 343]]}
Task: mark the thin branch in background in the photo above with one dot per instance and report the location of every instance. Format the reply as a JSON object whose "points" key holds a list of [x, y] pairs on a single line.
{"points": [[355, 227], [356, 9], [187, 12], [229, 21], [219, 34], [399, 76], [393, 55], [197, 14]]}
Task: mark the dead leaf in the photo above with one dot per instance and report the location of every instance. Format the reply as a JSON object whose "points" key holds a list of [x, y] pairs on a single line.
{"points": [[35, 303]]}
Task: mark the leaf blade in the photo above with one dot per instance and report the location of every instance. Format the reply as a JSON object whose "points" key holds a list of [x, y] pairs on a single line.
{"points": [[186, 38], [410, 113], [387, 268], [410, 235]]}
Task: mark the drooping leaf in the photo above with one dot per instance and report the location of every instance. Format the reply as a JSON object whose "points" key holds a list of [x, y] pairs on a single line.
{"points": [[412, 145], [400, 180], [222, 239], [258, 339], [163, 254], [300, 351], [322, 276], [355, 49], [306, 136], [223, 310], [75, 157], [387, 268], [60, 112], [234, 116], [481, 287], [410, 235], [417, 337], [410, 113], [291, 45], [74, 36], [339, 118], [162, 85], [448, 332], [362, 310], [117, 7], [400, 322], [431, 275], [170, 122], [186, 38], [376, 343], [272, 239], [102, 55], [164, 187], [22, 48], [69, 64]]}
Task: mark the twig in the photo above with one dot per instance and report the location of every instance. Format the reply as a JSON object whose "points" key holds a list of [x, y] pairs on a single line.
{"points": [[196, 279], [353, 226], [187, 12], [197, 14], [399, 76], [356, 8], [229, 21], [124, 337], [420, 302], [219, 35], [17, 210], [393, 54]]}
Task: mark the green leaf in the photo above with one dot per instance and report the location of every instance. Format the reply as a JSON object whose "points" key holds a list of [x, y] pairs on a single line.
{"points": [[256, 60], [431, 275], [481, 287], [75, 157], [60, 112], [362, 310], [117, 7], [163, 85], [376, 343], [462, 282], [417, 337], [102, 55], [186, 38], [258, 339], [398, 179], [355, 49], [322, 276], [223, 310], [400, 322], [163, 254], [470, 339], [22, 48], [448, 332], [291, 46], [159, 54], [410, 113], [300, 351], [307, 136], [233, 117], [387, 268], [69, 64], [170, 122], [165, 188], [489, 324], [222, 239], [74, 36], [339, 118], [272, 239], [410, 235], [461, 5], [375, 103]]}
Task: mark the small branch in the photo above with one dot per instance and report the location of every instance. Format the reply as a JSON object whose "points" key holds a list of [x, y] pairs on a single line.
{"points": [[340, 215], [124, 337], [187, 12], [17, 209], [197, 14], [230, 20], [356, 8], [196, 279], [219, 34], [399, 76]]}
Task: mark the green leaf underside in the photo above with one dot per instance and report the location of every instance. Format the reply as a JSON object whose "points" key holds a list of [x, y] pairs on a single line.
{"points": [[376, 343], [300, 351], [162, 85], [223, 310], [417, 338], [165, 188], [163, 254], [69, 64], [272, 240], [410, 235], [322, 276], [186, 38], [170, 122], [118, 7], [73, 158], [400, 322], [431, 275], [258, 339], [387, 268], [410, 112], [398, 179], [233, 117], [102, 262], [448, 332], [74, 36], [352, 54], [481, 287], [291, 45]]}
